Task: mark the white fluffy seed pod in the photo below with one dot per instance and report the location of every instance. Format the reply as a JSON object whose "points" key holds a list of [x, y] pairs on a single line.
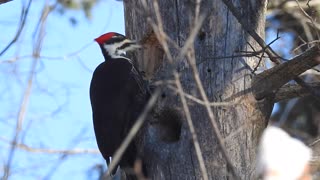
{"points": [[280, 156]]}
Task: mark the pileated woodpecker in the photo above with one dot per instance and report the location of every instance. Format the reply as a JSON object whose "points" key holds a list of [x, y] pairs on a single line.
{"points": [[117, 95]]}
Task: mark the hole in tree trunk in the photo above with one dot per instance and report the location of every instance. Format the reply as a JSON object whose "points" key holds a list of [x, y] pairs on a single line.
{"points": [[169, 124], [201, 35]]}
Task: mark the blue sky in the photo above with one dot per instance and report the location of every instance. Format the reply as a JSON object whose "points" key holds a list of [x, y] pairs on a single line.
{"points": [[59, 83]]}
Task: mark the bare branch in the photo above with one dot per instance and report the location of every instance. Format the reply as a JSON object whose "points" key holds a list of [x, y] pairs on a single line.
{"points": [[62, 57], [191, 128], [313, 91], [315, 142], [199, 101], [214, 124], [26, 96], [183, 52], [309, 17], [306, 44], [272, 79], [274, 57], [21, 117], [303, 4], [51, 151], [23, 19], [162, 38], [292, 91]]}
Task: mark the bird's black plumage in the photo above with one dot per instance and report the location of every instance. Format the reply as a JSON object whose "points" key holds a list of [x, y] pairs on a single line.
{"points": [[117, 97]]}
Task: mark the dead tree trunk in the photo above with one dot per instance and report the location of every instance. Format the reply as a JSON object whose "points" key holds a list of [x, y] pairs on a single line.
{"points": [[168, 152]]}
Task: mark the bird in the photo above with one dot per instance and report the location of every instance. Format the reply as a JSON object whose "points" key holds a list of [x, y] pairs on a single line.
{"points": [[118, 95]]}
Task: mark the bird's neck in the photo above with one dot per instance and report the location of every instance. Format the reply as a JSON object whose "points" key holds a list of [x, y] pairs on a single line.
{"points": [[106, 54], [111, 55]]}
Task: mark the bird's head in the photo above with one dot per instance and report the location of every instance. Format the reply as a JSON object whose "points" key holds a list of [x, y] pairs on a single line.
{"points": [[115, 45]]}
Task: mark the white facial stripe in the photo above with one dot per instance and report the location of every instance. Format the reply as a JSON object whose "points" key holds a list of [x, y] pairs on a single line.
{"points": [[131, 47], [111, 48]]}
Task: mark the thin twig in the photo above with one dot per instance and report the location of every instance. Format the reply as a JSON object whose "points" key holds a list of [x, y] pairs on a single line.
{"points": [[307, 15], [133, 131], [314, 142], [199, 101], [214, 124], [51, 151], [191, 128], [189, 42], [260, 41], [21, 117], [23, 18], [245, 53], [291, 91], [161, 36], [257, 66], [62, 57], [272, 79], [306, 43], [274, 57], [26, 97]]}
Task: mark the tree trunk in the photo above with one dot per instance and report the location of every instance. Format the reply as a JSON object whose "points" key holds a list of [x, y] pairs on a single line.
{"points": [[224, 79]]}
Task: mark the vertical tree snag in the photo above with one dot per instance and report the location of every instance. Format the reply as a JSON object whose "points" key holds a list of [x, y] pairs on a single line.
{"points": [[224, 80]]}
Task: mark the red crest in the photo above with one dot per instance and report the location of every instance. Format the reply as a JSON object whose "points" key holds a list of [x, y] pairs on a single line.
{"points": [[104, 37]]}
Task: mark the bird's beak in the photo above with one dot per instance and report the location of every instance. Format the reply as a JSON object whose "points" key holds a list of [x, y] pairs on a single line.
{"points": [[135, 44]]}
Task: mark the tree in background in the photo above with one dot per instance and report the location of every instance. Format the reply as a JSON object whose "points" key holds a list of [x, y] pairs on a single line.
{"points": [[303, 28], [299, 116]]}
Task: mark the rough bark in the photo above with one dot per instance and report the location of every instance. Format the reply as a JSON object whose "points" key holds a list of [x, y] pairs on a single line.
{"points": [[226, 79]]}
